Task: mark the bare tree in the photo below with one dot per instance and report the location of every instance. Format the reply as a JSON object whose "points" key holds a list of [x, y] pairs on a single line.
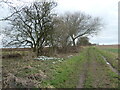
{"points": [[80, 24], [31, 25], [36, 26], [61, 36]]}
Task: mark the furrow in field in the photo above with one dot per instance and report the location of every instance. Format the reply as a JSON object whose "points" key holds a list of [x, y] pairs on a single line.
{"points": [[111, 67]]}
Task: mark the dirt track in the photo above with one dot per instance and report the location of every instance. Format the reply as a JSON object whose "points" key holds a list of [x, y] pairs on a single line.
{"points": [[94, 73]]}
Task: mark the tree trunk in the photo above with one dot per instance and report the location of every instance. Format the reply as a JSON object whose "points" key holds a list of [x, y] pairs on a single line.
{"points": [[34, 49], [37, 52], [74, 43], [40, 50]]}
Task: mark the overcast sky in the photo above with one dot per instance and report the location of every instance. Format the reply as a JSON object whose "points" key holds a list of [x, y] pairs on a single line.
{"points": [[105, 9]]}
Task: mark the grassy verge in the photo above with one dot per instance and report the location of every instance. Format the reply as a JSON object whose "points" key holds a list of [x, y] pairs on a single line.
{"points": [[112, 76], [111, 58], [66, 74], [58, 73]]}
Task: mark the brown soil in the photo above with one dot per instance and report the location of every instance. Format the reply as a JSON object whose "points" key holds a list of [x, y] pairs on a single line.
{"points": [[17, 55], [82, 76], [109, 46]]}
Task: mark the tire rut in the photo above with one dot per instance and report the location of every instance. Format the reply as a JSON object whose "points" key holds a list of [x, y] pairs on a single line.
{"points": [[83, 74], [96, 70]]}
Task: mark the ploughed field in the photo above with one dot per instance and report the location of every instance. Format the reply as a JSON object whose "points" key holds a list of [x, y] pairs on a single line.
{"points": [[92, 67]]}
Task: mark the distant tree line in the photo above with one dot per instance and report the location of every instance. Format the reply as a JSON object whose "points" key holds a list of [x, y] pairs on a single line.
{"points": [[36, 25]]}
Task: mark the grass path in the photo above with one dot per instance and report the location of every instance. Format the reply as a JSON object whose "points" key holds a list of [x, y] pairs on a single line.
{"points": [[98, 74]]}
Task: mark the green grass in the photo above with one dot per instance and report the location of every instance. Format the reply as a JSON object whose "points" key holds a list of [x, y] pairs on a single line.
{"points": [[67, 74], [112, 76], [114, 50], [99, 75], [88, 81], [111, 58]]}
